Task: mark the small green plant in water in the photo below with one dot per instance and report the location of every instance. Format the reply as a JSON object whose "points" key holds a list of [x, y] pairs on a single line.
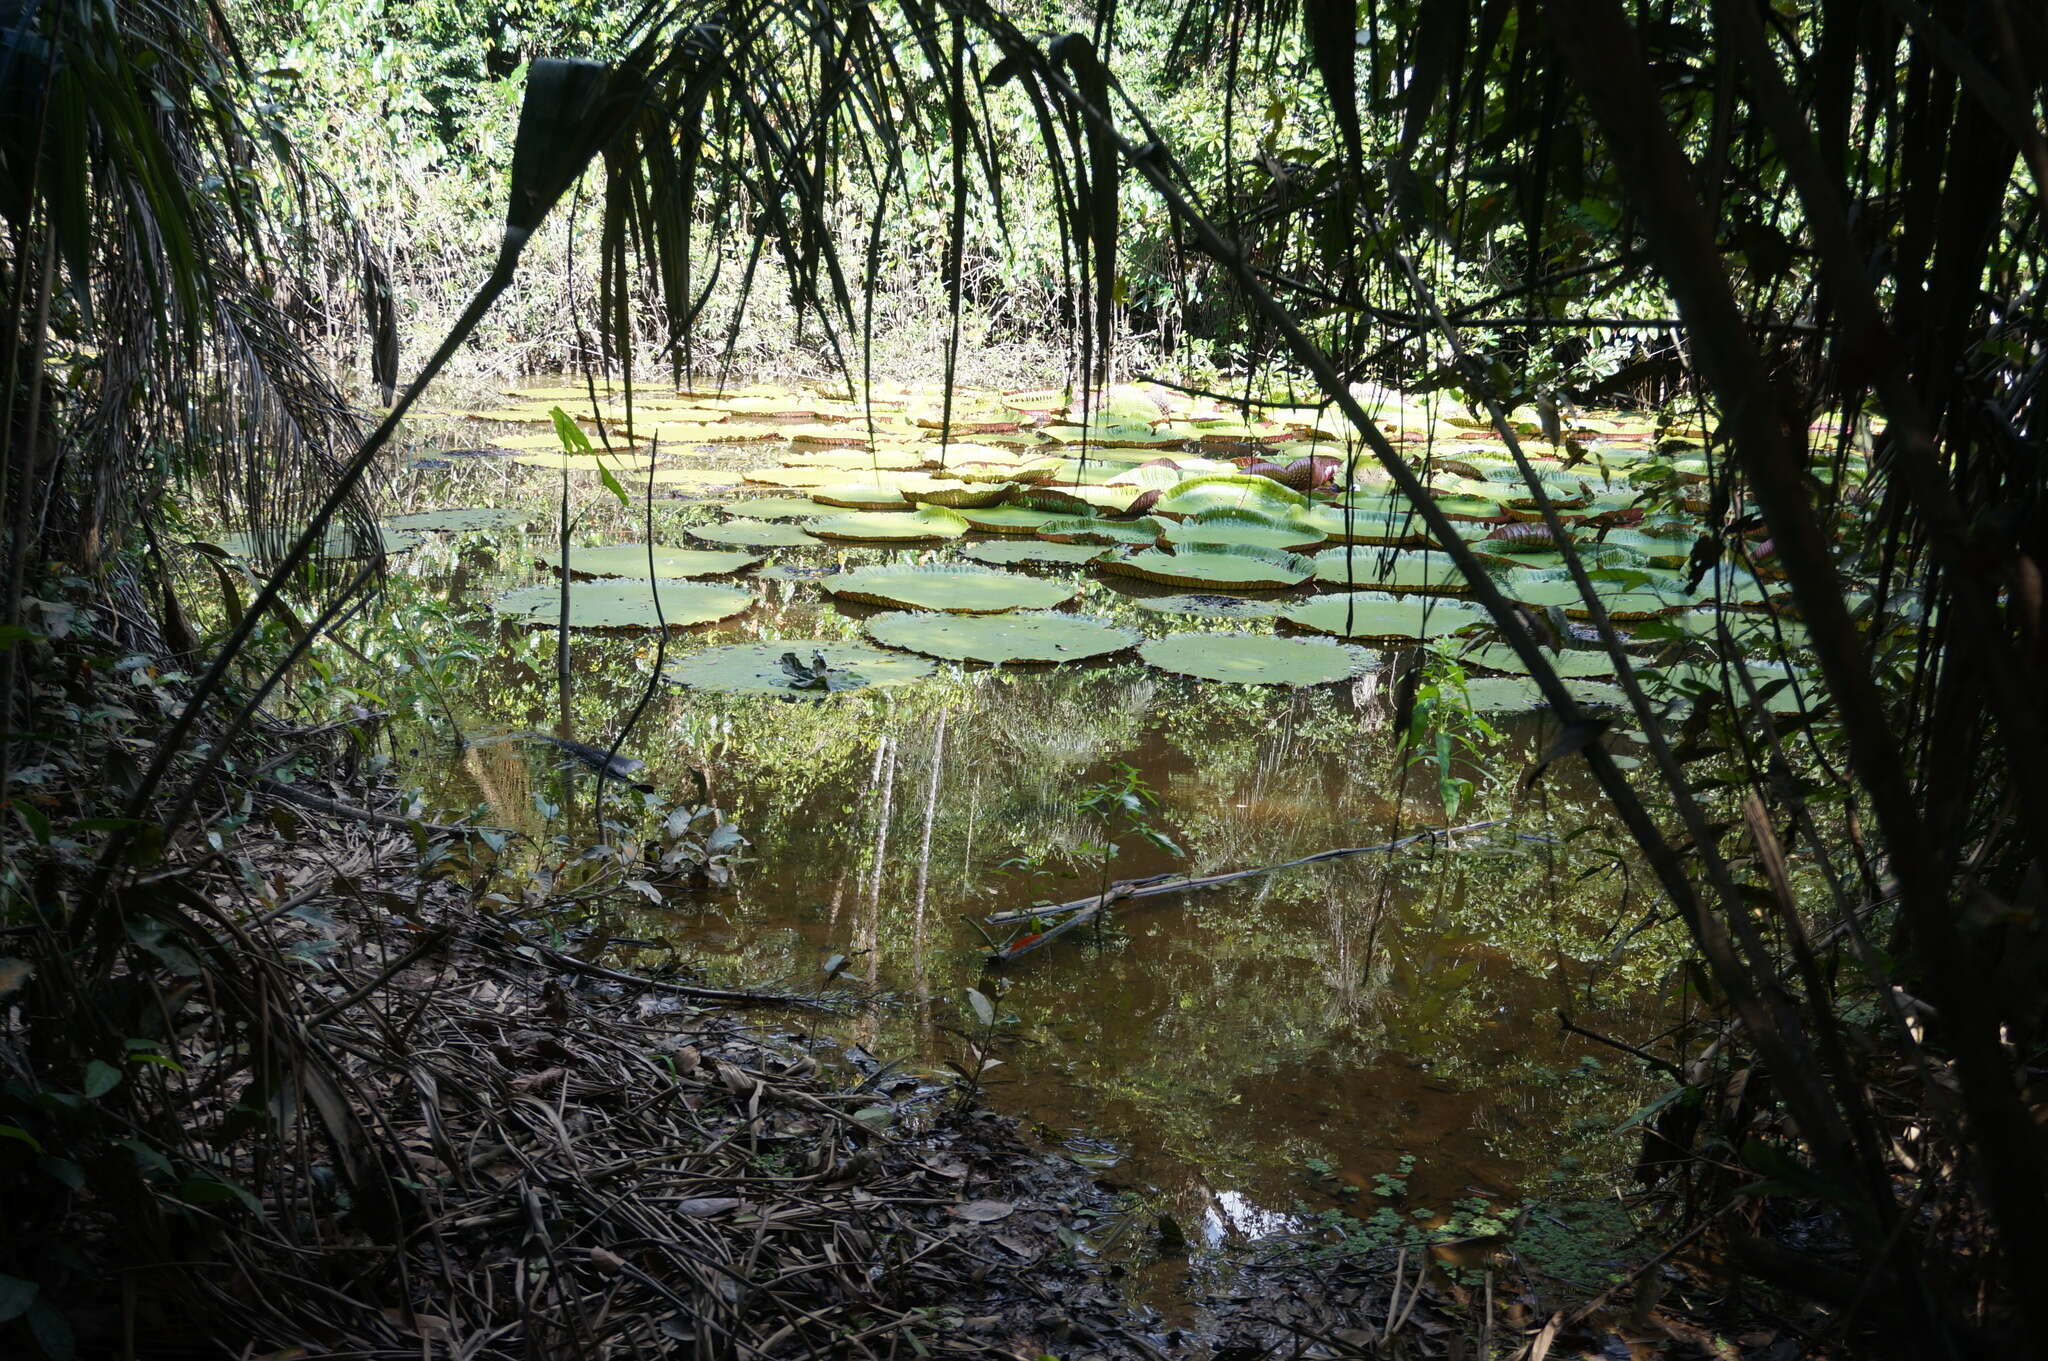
{"points": [[1443, 729], [1120, 806], [991, 1029]]}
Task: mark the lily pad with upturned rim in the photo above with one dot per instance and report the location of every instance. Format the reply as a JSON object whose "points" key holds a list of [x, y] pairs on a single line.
{"points": [[759, 669], [1255, 658], [1009, 552], [1369, 569], [456, 521], [1379, 617], [1220, 568], [924, 524], [630, 560], [752, 534], [337, 543], [1022, 636], [772, 507], [1209, 606], [1572, 663], [1009, 519], [622, 604], [1518, 694], [957, 588]]}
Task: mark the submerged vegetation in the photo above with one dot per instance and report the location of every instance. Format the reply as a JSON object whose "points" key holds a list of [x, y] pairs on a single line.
{"points": [[1409, 633]]}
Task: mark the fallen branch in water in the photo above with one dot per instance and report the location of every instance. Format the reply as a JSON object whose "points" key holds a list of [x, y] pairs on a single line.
{"points": [[731, 997], [1087, 909]]}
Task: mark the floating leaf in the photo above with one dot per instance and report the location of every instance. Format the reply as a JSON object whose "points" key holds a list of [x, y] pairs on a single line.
{"points": [[631, 560], [929, 522], [860, 495], [1087, 529], [1240, 528], [619, 604], [456, 521], [1209, 606], [1008, 552], [620, 462], [1389, 618], [958, 588], [1198, 494], [1008, 519], [1513, 694], [957, 495], [751, 534], [694, 477], [1385, 570], [1581, 663], [1223, 568], [762, 669], [1000, 638], [340, 542], [1619, 604], [1401, 528], [773, 507], [1255, 658]]}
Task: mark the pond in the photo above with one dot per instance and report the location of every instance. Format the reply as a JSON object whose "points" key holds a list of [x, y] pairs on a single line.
{"points": [[1371, 1031]]}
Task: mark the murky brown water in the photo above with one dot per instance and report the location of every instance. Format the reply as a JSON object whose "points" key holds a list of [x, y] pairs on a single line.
{"points": [[1237, 1056]]}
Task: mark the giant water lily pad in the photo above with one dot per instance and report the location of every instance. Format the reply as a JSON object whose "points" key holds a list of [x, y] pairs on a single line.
{"points": [[751, 534], [773, 507], [621, 604], [922, 525], [1620, 604], [1198, 494], [1518, 694], [456, 521], [1021, 636], [1086, 529], [1255, 658], [1009, 552], [860, 495], [1209, 606], [1371, 525], [1243, 529], [618, 464], [339, 542], [957, 588], [1575, 663], [1385, 618], [1219, 568], [630, 560], [955, 494], [1009, 519], [695, 477], [1385, 570], [794, 477], [856, 460], [801, 667]]}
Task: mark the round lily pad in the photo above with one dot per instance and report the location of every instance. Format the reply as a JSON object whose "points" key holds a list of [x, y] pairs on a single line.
{"points": [[800, 667], [929, 522], [618, 463], [622, 604], [1578, 663], [1008, 552], [957, 588], [1515, 694], [1228, 528], [1086, 529], [1369, 568], [1008, 519], [1198, 494], [794, 477], [773, 507], [860, 496], [1399, 528], [1392, 618], [456, 521], [695, 477], [630, 560], [751, 534], [339, 542], [1255, 658], [855, 460], [1219, 568], [1619, 604], [1209, 606], [1021, 636]]}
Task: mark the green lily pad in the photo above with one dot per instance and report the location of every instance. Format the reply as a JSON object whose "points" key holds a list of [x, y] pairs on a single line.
{"points": [[1009, 519], [751, 534], [1255, 658], [860, 496], [1518, 694], [1020, 636], [1572, 663], [794, 477], [773, 507], [695, 477], [618, 463], [618, 604], [760, 668], [856, 460], [1243, 529], [1619, 604], [1371, 525], [630, 560], [957, 495], [926, 523], [1209, 606], [339, 542], [1369, 568], [1086, 529], [956, 588], [456, 521], [1198, 494], [1387, 618], [1217, 568], [1009, 552]]}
